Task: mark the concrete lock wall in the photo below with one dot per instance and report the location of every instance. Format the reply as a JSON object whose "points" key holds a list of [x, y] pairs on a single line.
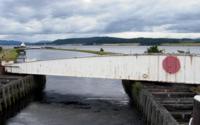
{"points": [[196, 111], [154, 113], [12, 93]]}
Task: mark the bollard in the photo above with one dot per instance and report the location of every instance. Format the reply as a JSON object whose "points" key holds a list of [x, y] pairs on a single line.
{"points": [[196, 111]]}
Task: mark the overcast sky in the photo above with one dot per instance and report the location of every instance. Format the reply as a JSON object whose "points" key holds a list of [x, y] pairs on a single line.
{"points": [[33, 20]]}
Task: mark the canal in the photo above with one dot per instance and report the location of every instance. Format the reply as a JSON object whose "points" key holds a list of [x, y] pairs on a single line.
{"points": [[77, 101], [83, 101]]}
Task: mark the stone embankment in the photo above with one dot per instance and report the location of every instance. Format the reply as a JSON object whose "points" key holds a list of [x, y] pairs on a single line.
{"points": [[162, 104], [15, 90]]}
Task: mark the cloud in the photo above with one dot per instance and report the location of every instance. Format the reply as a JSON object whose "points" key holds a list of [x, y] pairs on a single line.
{"points": [[34, 20]]}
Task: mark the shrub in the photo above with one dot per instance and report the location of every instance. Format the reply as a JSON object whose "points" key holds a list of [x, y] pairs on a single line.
{"points": [[154, 49], [101, 50]]}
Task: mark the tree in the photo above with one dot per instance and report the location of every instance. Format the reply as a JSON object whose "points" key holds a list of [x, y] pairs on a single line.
{"points": [[154, 49], [101, 50]]}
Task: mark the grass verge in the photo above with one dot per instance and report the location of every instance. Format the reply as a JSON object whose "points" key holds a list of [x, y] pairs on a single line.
{"points": [[9, 54], [85, 51]]}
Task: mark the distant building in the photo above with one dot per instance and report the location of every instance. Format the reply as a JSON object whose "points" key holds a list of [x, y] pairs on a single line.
{"points": [[23, 45]]}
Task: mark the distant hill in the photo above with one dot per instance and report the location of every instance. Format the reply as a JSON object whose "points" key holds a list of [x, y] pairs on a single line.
{"points": [[106, 40], [40, 43], [90, 41], [113, 40], [9, 42]]}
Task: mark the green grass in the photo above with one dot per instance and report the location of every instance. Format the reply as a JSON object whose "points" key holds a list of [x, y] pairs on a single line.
{"points": [[85, 51], [9, 54]]}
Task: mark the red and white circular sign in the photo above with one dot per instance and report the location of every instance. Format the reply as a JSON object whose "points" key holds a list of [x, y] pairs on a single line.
{"points": [[171, 64]]}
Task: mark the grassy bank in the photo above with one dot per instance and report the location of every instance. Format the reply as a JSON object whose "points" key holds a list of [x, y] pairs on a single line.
{"points": [[85, 51], [9, 54]]}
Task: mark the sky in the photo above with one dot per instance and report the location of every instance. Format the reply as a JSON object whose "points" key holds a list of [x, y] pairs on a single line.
{"points": [[35, 20]]}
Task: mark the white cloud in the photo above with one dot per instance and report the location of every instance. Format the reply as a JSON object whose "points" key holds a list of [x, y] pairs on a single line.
{"points": [[42, 19], [154, 35]]}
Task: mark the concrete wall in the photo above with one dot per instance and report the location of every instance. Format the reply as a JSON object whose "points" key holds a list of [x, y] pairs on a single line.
{"points": [[160, 68], [196, 111], [16, 91], [154, 113]]}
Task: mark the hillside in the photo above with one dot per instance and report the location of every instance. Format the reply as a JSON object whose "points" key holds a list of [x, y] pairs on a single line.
{"points": [[90, 41], [110, 40], [113, 40], [9, 42]]}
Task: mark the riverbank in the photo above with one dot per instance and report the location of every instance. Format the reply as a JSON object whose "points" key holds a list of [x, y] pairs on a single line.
{"points": [[180, 44], [83, 51], [9, 54], [162, 44]]}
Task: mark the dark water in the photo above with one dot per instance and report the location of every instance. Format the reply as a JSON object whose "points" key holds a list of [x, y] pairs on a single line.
{"points": [[77, 101]]}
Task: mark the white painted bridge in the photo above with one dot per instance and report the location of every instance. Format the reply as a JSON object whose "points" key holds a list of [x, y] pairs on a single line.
{"points": [[161, 68]]}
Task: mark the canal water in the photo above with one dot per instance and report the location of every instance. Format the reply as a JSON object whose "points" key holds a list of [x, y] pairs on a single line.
{"points": [[83, 101], [77, 101]]}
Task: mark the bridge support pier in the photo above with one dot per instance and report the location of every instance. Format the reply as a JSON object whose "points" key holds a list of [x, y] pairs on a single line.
{"points": [[127, 85], [40, 81]]}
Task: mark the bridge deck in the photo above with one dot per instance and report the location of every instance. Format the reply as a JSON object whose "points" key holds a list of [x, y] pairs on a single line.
{"points": [[161, 68]]}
